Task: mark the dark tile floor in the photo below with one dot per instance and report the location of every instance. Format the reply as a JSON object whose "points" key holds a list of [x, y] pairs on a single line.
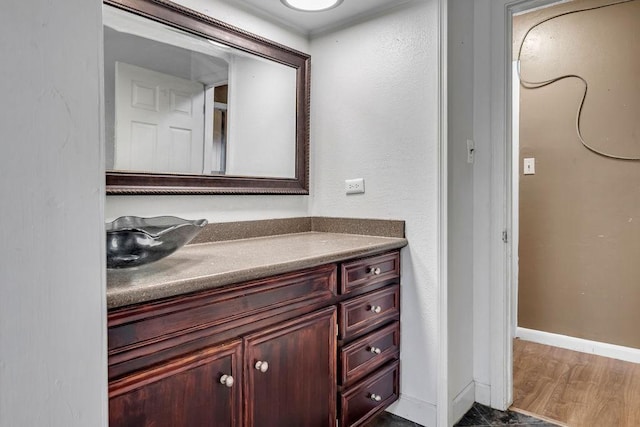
{"points": [[387, 419], [478, 416]]}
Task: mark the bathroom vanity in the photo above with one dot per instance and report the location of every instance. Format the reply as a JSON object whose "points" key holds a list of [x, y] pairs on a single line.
{"points": [[296, 324], [298, 329]]}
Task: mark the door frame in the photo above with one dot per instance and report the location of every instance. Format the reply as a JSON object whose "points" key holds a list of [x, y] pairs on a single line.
{"points": [[504, 196], [441, 417], [443, 408]]}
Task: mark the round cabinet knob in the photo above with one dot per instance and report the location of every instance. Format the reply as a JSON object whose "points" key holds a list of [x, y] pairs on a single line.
{"points": [[227, 380], [262, 366], [374, 270], [375, 397], [375, 350], [375, 308]]}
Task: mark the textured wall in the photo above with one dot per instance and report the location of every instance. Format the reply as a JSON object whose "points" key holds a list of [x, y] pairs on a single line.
{"points": [[580, 213], [52, 287], [375, 116], [460, 209]]}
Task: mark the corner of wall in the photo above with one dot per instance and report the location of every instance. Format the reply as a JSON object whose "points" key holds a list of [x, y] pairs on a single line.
{"points": [[483, 393], [463, 402], [416, 410]]}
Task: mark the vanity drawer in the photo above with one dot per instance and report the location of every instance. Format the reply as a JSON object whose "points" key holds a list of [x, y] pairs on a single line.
{"points": [[366, 354], [367, 398], [369, 311], [220, 309], [369, 271]]}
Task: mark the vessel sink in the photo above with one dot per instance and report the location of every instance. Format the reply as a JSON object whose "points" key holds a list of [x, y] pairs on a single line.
{"points": [[133, 241]]}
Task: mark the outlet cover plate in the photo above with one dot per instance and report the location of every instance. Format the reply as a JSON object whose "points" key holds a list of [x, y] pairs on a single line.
{"points": [[354, 186]]}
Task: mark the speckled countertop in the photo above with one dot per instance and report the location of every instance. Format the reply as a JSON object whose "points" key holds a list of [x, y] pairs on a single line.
{"points": [[208, 265]]}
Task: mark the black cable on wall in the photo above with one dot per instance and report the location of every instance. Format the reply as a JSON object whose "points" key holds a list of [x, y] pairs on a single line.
{"points": [[536, 85]]}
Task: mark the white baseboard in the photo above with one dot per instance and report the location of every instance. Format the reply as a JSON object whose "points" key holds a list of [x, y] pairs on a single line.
{"points": [[483, 394], [628, 354], [416, 410], [463, 402]]}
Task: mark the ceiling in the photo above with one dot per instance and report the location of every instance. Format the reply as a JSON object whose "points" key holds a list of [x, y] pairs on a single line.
{"points": [[315, 22]]}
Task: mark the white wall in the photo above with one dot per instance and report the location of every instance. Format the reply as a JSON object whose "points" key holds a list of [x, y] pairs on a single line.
{"points": [[262, 118], [471, 223], [52, 280], [481, 95], [492, 355], [221, 208], [374, 115], [460, 221], [475, 327]]}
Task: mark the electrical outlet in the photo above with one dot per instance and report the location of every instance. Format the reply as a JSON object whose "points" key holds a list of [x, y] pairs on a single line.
{"points": [[353, 186]]}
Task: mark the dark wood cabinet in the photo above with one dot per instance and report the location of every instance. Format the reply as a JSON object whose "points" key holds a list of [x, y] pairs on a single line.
{"points": [[369, 337], [198, 389], [316, 347], [370, 396], [366, 354], [290, 373]]}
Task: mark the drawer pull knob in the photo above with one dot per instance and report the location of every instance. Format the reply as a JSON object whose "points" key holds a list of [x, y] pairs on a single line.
{"points": [[227, 380], [375, 350], [374, 270], [262, 366], [375, 397], [375, 309]]}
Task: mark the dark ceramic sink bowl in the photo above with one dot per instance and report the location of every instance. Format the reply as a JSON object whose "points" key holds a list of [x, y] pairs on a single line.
{"points": [[134, 241]]}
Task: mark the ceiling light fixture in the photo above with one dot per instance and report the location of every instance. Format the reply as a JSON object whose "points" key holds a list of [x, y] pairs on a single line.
{"points": [[311, 5]]}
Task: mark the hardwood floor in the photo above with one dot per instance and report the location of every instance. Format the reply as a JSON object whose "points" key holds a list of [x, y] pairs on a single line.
{"points": [[577, 389]]}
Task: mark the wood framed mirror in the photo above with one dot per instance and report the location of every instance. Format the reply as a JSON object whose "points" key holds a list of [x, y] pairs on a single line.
{"points": [[244, 160]]}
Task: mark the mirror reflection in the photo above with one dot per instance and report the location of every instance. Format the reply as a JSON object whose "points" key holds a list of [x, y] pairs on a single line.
{"points": [[180, 104]]}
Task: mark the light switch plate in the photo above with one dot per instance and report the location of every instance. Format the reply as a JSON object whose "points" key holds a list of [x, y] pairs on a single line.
{"points": [[471, 148], [529, 166]]}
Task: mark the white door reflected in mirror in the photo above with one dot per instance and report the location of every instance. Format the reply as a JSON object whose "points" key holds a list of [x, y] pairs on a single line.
{"points": [[179, 103], [157, 127]]}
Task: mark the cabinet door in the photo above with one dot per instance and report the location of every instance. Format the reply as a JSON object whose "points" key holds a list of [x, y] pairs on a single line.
{"points": [[290, 373], [200, 389]]}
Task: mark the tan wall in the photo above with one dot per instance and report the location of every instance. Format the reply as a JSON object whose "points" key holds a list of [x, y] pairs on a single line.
{"points": [[580, 213]]}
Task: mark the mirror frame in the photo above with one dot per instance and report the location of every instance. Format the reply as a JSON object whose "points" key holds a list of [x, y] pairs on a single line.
{"points": [[174, 15]]}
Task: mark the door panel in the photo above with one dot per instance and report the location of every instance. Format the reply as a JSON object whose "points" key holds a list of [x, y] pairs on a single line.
{"points": [[298, 388], [180, 149], [181, 103], [144, 97], [173, 106], [185, 392], [146, 137]]}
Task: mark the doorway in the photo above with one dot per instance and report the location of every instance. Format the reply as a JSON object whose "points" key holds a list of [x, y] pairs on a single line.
{"points": [[575, 222], [498, 180], [564, 210]]}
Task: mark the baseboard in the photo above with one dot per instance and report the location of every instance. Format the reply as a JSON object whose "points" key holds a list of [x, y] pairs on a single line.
{"points": [[416, 410], [463, 402], [483, 394], [627, 354]]}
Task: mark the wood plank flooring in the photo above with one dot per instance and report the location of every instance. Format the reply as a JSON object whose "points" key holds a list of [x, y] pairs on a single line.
{"points": [[577, 389]]}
